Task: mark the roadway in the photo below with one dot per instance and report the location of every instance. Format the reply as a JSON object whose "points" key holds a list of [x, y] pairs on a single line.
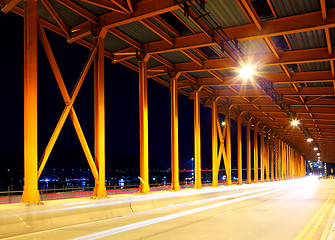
{"points": [[295, 209]]}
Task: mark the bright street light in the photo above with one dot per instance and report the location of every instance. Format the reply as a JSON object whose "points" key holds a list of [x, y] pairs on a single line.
{"points": [[246, 72], [295, 122], [318, 154], [309, 139], [223, 123], [315, 148]]}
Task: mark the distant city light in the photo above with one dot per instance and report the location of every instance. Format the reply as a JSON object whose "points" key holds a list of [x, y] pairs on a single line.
{"points": [[315, 148], [295, 122], [318, 154], [223, 123], [309, 139]]}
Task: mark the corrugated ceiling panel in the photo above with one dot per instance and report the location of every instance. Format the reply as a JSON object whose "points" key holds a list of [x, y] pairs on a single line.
{"points": [[134, 61], [281, 85], [96, 10], [165, 77], [220, 87], [89, 38], [158, 24], [139, 32], [175, 57], [113, 43], [285, 8], [182, 77], [332, 35], [330, 4], [44, 13], [196, 54], [218, 50], [189, 22], [153, 63], [315, 66], [226, 13], [70, 18], [253, 47], [320, 84], [269, 69], [305, 40], [188, 89], [201, 74]]}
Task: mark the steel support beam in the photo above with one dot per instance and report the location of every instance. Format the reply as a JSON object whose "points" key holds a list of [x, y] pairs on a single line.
{"points": [[248, 152], [255, 154], [30, 193], [239, 150], [99, 116], [271, 156], [228, 149], [143, 107], [262, 155], [215, 169], [276, 159], [197, 141], [266, 146], [174, 133]]}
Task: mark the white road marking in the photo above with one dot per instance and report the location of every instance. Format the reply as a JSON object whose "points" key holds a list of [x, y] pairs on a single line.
{"points": [[132, 226], [222, 214]]}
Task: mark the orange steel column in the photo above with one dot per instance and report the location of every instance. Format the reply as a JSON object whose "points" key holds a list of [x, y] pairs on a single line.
{"points": [[215, 169], [276, 159], [271, 156], [267, 156], [143, 107], [99, 116], [262, 154], [255, 154], [248, 153], [228, 149], [30, 193], [197, 146], [174, 133], [279, 159], [239, 150]]}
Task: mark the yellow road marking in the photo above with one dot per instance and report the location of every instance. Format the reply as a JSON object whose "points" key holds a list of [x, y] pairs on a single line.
{"points": [[325, 207]]}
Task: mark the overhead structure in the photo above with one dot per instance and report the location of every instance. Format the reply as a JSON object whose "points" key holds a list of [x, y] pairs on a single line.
{"points": [[197, 48]]}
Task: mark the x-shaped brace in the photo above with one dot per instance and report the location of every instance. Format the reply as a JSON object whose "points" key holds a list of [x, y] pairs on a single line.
{"points": [[69, 109]]}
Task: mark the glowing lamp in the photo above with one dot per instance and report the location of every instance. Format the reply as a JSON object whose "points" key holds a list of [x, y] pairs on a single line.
{"points": [[246, 72], [295, 122]]}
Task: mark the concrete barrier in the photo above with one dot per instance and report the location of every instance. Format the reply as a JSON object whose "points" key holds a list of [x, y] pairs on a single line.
{"points": [[18, 220]]}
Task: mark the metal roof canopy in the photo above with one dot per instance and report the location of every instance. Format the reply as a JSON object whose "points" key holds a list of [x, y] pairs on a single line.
{"points": [[291, 41]]}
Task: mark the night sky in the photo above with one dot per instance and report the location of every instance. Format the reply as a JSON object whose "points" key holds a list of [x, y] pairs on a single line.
{"points": [[121, 101]]}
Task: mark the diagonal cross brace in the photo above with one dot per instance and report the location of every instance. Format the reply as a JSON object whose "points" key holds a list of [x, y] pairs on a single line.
{"points": [[69, 109]]}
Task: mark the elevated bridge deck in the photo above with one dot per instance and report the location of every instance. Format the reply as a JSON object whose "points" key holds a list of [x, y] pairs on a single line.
{"points": [[293, 209]]}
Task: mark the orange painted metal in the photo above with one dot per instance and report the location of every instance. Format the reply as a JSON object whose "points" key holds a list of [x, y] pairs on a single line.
{"points": [[228, 149], [197, 142], [143, 106], [256, 153], [239, 150], [215, 170], [66, 111], [10, 5], [261, 148], [66, 97], [248, 152], [272, 152], [99, 117], [30, 194], [174, 134]]}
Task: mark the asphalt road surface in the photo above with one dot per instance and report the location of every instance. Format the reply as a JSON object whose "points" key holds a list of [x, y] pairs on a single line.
{"points": [[295, 209]]}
